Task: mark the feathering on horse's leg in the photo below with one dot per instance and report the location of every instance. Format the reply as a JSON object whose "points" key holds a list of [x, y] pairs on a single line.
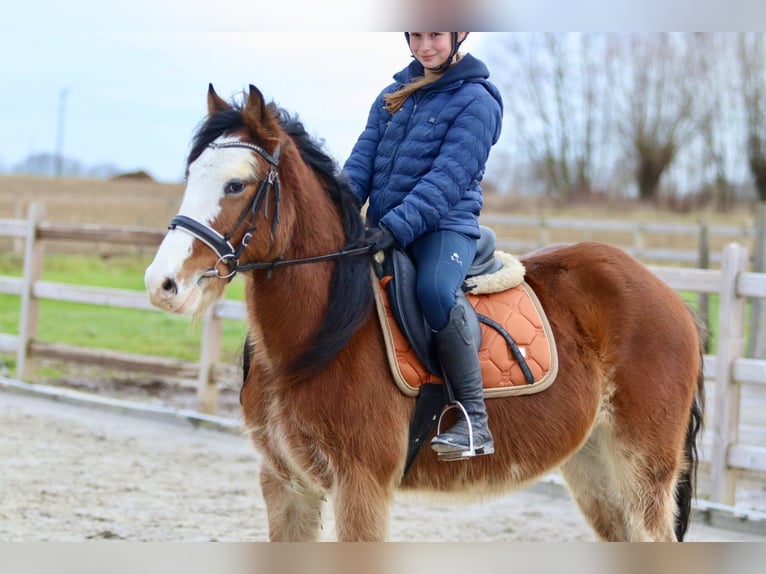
{"points": [[652, 513], [650, 453], [361, 509], [645, 481], [591, 483], [293, 508]]}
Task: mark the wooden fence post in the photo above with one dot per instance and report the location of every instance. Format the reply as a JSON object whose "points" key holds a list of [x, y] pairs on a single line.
{"points": [[33, 263], [210, 355], [543, 232], [726, 400], [18, 213], [757, 344], [639, 240]]}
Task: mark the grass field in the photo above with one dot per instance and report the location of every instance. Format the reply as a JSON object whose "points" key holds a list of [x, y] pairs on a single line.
{"points": [[127, 330], [122, 202]]}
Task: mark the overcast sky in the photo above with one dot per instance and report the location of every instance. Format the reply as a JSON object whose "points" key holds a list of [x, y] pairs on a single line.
{"points": [[128, 81], [134, 99], [131, 77]]}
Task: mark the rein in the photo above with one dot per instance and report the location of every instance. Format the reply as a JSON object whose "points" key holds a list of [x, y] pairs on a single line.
{"points": [[221, 244]]}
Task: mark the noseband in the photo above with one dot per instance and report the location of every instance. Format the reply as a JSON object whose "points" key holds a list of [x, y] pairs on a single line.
{"points": [[221, 244]]}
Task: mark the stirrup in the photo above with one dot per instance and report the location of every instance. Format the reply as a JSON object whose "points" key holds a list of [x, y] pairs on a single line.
{"points": [[466, 453]]}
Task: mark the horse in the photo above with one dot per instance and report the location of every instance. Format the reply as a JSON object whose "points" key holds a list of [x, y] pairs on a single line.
{"points": [[619, 424]]}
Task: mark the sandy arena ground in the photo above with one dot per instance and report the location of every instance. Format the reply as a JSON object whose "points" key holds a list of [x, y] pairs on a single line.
{"points": [[76, 473]]}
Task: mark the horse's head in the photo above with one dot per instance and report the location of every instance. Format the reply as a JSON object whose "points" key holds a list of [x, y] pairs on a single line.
{"points": [[230, 206]]}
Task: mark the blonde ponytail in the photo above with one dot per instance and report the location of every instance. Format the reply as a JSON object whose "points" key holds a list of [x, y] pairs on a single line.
{"points": [[395, 100]]}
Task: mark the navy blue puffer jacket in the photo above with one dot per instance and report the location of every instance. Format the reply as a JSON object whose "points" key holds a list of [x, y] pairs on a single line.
{"points": [[421, 168]]}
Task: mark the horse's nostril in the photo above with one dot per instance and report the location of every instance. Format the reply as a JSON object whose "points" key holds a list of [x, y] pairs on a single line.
{"points": [[170, 286]]}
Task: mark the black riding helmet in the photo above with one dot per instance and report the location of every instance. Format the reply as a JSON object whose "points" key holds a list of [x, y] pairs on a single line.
{"points": [[455, 48]]}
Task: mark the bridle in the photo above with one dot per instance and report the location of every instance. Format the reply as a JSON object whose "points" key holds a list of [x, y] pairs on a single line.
{"points": [[221, 244]]}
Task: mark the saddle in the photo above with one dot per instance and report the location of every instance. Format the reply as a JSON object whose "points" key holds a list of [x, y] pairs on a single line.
{"points": [[517, 351]]}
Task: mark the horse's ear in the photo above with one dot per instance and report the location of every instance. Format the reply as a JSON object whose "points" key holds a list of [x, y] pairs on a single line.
{"points": [[214, 101], [257, 114], [256, 105]]}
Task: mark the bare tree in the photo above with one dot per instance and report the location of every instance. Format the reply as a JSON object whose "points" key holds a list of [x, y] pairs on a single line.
{"points": [[752, 61], [556, 103], [752, 76], [659, 79], [720, 101]]}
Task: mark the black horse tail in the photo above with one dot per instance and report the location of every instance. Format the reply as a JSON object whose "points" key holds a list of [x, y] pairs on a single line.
{"points": [[687, 481]]}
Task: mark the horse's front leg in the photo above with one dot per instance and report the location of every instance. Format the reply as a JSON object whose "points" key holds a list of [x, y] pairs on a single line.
{"points": [[361, 505], [293, 507]]}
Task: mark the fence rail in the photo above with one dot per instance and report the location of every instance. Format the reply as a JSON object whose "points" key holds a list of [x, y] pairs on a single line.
{"points": [[726, 371], [521, 233]]}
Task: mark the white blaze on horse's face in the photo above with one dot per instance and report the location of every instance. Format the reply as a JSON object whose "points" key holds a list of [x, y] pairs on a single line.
{"points": [[175, 280]]}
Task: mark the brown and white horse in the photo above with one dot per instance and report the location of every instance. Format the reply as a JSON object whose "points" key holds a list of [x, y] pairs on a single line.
{"points": [[620, 423]]}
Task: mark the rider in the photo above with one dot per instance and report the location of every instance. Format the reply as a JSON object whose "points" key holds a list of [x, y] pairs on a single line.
{"points": [[420, 161]]}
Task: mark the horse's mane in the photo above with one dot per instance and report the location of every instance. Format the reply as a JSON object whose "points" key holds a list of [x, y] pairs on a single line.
{"points": [[350, 298], [212, 127]]}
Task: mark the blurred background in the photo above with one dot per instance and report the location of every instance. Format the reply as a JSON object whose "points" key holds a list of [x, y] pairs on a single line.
{"points": [[670, 118]]}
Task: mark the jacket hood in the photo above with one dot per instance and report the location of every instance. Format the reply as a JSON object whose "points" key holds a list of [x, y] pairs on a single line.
{"points": [[468, 68]]}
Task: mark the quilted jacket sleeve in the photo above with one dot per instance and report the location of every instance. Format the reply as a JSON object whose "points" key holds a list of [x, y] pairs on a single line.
{"points": [[358, 168], [461, 160]]}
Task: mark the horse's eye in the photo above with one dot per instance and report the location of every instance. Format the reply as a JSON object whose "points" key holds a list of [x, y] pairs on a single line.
{"points": [[234, 187]]}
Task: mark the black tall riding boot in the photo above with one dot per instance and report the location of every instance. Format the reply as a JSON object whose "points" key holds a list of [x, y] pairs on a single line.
{"points": [[458, 355]]}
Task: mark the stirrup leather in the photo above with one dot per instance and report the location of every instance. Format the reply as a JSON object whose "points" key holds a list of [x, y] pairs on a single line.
{"points": [[466, 453]]}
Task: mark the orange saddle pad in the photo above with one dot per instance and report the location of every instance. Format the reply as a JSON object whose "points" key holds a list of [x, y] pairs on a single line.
{"points": [[518, 310]]}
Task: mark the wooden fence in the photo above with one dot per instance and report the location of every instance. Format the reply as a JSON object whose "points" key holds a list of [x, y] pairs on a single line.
{"points": [[697, 243], [726, 371]]}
